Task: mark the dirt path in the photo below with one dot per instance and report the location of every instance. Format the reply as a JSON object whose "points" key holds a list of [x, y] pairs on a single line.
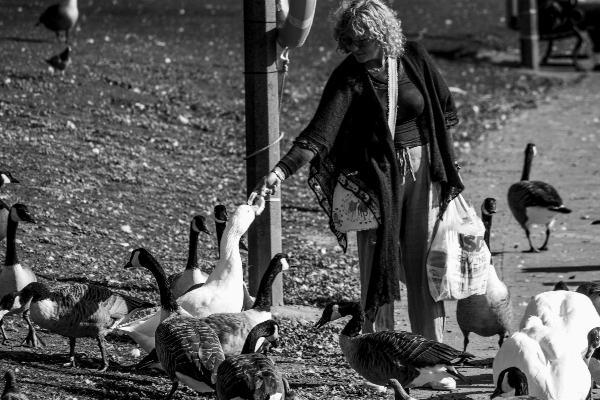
{"points": [[566, 131]]}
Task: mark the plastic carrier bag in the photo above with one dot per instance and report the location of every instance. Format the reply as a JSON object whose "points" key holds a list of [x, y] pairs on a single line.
{"points": [[458, 258]]}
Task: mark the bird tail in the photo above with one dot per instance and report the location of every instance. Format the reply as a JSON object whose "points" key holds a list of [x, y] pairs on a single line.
{"points": [[452, 371], [560, 209]]}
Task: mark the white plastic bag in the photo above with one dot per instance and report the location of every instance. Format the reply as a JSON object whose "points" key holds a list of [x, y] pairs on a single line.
{"points": [[458, 258]]}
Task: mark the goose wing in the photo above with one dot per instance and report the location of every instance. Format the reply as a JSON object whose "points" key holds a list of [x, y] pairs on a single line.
{"points": [[534, 193], [248, 376], [188, 346], [412, 349]]}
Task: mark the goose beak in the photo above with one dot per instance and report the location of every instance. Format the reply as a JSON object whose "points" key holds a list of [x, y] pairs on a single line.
{"points": [[258, 205], [13, 180], [321, 323], [28, 218], [128, 265], [497, 393]]}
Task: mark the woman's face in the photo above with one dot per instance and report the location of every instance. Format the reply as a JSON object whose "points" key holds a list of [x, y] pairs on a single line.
{"points": [[362, 47]]}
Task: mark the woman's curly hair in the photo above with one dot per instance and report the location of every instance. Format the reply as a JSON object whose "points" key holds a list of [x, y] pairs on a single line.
{"points": [[371, 18]]}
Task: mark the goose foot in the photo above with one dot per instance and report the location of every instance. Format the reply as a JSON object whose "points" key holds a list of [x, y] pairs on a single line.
{"points": [[103, 369], [71, 363], [32, 340], [543, 248], [531, 250]]}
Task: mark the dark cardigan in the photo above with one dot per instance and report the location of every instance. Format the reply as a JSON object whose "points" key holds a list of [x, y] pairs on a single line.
{"points": [[350, 137]]}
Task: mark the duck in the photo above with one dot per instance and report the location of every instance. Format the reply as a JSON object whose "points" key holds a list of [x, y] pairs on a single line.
{"points": [[6, 177], [549, 359], [571, 312], [560, 285], [399, 392], [180, 282], [14, 276], [252, 374], [534, 202], [11, 389], [219, 294], [512, 381], [591, 290], [378, 357], [234, 328], [187, 348], [491, 313], [221, 218], [61, 61], [60, 17], [76, 311]]}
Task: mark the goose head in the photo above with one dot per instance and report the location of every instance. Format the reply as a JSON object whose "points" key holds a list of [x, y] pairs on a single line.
{"points": [[593, 338], [561, 286], [399, 392], [335, 311], [511, 382], [488, 207], [243, 217], [262, 337], [20, 212], [6, 177], [34, 291], [198, 224], [221, 215]]}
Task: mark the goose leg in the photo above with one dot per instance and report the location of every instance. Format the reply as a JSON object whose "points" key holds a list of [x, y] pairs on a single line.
{"points": [[31, 340], [4, 335], [57, 36], [71, 362], [173, 389], [67, 36], [532, 249], [545, 245], [102, 345]]}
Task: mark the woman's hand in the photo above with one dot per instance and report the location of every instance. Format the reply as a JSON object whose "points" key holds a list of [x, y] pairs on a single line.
{"points": [[265, 186]]}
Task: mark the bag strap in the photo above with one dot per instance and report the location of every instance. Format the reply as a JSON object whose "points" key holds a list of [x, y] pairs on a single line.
{"points": [[392, 93]]}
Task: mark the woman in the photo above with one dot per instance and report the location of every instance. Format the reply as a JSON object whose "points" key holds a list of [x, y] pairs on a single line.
{"points": [[409, 176]]}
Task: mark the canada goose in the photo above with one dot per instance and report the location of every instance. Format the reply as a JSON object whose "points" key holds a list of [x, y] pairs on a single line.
{"points": [[491, 313], [550, 360], [561, 286], [60, 17], [512, 381], [234, 328], [591, 290], [76, 311], [6, 177], [221, 218], [14, 276], [252, 375], [61, 61], [180, 282], [596, 222], [571, 312], [188, 349], [11, 389], [378, 357], [399, 392], [534, 202], [4, 209], [221, 291]]}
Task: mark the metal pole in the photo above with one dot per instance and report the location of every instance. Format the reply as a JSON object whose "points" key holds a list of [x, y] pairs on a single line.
{"points": [[528, 21], [262, 129]]}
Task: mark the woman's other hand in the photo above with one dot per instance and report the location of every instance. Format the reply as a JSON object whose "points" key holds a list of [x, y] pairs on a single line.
{"points": [[266, 185]]}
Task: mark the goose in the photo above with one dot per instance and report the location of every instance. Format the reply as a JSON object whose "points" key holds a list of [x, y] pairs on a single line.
{"points": [[180, 282], [561, 286], [221, 218], [571, 312], [549, 359], [252, 375], [14, 276], [591, 290], [534, 202], [378, 357], [60, 61], [512, 381], [188, 349], [6, 177], [399, 392], [491, 313], [60, 17], [234, 328], [597, 222], [11, 389], [220, 293], [4, 209], [76, 311]]}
